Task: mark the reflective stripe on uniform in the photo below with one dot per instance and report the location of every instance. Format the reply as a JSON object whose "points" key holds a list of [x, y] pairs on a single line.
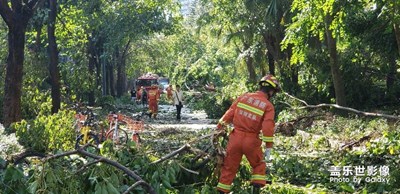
{"points": [[223, 186], [267, 139], [258, 177], [251, 109]]}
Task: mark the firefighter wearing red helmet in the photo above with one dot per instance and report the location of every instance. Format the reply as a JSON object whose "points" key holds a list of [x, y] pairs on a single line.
{"points": [[252, 116]]}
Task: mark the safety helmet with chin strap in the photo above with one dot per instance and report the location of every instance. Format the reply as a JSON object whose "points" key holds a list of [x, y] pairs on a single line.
{"points": [[271, 81]]}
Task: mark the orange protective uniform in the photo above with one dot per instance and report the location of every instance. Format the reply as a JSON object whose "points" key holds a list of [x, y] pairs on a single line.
{"points": [[154, 96], [250, 114], [169, 92]]}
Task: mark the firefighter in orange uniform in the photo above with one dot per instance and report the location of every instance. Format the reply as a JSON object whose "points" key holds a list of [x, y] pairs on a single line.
{"points": [[169, 92], [251, 114], [154, 96]]}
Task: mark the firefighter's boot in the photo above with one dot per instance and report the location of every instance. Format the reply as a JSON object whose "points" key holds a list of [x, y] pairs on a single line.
{"points": [[149, 113]]}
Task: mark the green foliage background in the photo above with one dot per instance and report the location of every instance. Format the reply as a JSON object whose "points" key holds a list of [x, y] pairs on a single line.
{"points": [[213, 43]]}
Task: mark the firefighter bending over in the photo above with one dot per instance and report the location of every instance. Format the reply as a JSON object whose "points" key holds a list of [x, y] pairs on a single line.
{"points": [[250, 114]]}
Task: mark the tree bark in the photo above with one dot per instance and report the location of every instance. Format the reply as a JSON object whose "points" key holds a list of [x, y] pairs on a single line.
{"points": [[92, 64], [111, 79], [271, 63], [334, 63], [250, 66], [53, 55], [118, 62], [396, 27], [13, 81], [16, 17], [38, 39], [121, 70]]}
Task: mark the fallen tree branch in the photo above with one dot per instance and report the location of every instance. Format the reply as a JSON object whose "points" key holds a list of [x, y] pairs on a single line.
{"points": [[81, 151], [358, 142], [203, 163], [188, 170], [60, 155], [87, 165], [344, 108], [353, 110], [133, 186], [185, 147], [172, 154], [200, 153], [290, 96]]}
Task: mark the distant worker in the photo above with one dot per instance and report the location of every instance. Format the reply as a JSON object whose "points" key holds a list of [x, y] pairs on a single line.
{"points": [[154, 97], [178, 101], [143, 96], [250, 114], [133, 94], [169, 92]]}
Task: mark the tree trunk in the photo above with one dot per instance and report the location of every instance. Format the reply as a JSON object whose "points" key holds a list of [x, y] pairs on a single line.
{"points": [[53, 55], [91, 67], [271, 63], [38, 39], [119, 74], [111, 79], [391, 79], [334, 63], [16, 17], [251, 69], [250, 66], [394, 66], [13, 81], [397, 34]]}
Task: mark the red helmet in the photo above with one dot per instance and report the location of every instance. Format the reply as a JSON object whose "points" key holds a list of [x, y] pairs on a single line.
{"points": [[270, 80]]}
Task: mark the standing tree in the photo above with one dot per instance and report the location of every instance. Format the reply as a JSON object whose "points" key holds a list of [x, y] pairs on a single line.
{"points": [[53, 55], [16, 17], [323, 20]]}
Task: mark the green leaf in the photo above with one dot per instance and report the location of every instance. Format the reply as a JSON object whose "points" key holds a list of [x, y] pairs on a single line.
{"points": [[155, 176], [347, 188], [166, 183], [97, 189], [13, 174], [33, 187], [111, 189]]}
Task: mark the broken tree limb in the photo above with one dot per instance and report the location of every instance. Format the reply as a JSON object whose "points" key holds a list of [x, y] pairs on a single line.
{"points": [[203, 163], [344, 108], [172, 154], [358, 142], [81, 151], [186, 147], [87, 165], [188, 170], [133, 186]]}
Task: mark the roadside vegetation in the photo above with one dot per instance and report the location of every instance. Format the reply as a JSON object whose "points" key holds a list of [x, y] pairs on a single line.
{"points": [[338, 62]]}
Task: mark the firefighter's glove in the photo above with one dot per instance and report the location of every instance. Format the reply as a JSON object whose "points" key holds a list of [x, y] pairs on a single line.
{"points": [[215, 137], [267, 154], [220, 127]]}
